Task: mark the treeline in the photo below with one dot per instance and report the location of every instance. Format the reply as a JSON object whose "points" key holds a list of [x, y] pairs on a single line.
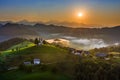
{"points": [[96, 70], [86, 69], [107, 49]]}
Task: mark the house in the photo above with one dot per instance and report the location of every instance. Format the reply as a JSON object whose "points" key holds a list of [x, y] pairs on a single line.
{"points": [[27, 63], [72, 50], [101, 55], [36, 61], [78, 52]]}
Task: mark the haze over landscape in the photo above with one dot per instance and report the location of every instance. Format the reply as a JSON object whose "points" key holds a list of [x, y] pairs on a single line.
{"points": [[59, 39], [68, 13]]}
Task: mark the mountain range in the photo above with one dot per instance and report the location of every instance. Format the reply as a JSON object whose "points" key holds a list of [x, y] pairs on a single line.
{"points": [[40, 29], [1, 25]]}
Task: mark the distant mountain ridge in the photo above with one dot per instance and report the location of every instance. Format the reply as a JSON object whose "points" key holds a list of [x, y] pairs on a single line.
{"points": [[58, 23], [5, 22], [15, 29], [1, 25]]}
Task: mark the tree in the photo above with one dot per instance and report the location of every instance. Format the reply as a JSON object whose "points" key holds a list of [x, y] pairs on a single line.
{"points": [[36, 41]]}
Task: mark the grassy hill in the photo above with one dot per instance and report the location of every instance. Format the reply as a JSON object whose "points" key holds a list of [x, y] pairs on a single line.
{"points": [[50, 56], [27, 51], [56, 64], [16, 48], [11, 42]]}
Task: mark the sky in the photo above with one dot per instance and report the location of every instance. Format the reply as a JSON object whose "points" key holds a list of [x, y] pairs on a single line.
{"points": [[100, 12]]}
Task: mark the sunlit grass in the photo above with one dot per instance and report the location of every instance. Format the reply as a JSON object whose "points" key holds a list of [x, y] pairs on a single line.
{"points": [[21, 46]]}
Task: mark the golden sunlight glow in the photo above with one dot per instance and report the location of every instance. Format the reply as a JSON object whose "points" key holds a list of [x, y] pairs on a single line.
{"points": [[80, 14]]}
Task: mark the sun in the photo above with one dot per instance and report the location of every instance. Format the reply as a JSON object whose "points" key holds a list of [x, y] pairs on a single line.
{"points": [[80, 14]]}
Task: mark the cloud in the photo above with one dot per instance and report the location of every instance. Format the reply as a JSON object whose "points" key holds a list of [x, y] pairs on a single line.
{"points": [[60, 42], [86, 44], [81, 43], [69, 37], [90, 43]]}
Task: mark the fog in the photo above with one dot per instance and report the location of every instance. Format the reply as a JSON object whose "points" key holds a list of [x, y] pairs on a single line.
{"points": [[70, 41], [87, 44], [60, 42], [83, 43]]}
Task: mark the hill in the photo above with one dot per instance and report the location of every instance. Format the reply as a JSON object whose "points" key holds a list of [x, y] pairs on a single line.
{"points": [[27, 51], [48, 54], [14, 29], [56, 64], [107, 49], [1, 25], [9, 43], [40, 75], [109, 35]]}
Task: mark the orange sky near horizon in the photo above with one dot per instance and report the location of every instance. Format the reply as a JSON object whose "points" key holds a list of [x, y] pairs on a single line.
{"points": [[102, 12]]}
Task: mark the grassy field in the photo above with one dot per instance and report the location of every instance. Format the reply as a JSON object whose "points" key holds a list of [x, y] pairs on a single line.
{"points": [[57, 64], [48, 54], [28, 51], [20, 75], [14, 49], [21, 46]]}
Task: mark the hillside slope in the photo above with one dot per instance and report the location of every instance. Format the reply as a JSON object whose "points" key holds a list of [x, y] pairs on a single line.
{"points": [[46, 53], [9, 43]]}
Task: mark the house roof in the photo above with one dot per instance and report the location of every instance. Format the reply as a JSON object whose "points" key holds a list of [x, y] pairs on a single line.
{"points": [[27, 62], [101, 54], [36, 59]]}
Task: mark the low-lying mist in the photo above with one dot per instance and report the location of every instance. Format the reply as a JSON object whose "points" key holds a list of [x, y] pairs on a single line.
{"points": [[87, 44], [71, 41]]}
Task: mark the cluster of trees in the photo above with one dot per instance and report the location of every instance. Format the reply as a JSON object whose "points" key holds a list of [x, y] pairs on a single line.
{"points": [[26, 68], [106, 49], [85, 70], [3, 66], [38, 40], [96, 70], [78, 68]]}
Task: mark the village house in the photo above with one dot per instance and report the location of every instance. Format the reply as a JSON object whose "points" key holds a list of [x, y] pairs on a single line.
{"points": [[72, 50], [36, 61], [27, 63], [78, 52], [102, 55]]}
